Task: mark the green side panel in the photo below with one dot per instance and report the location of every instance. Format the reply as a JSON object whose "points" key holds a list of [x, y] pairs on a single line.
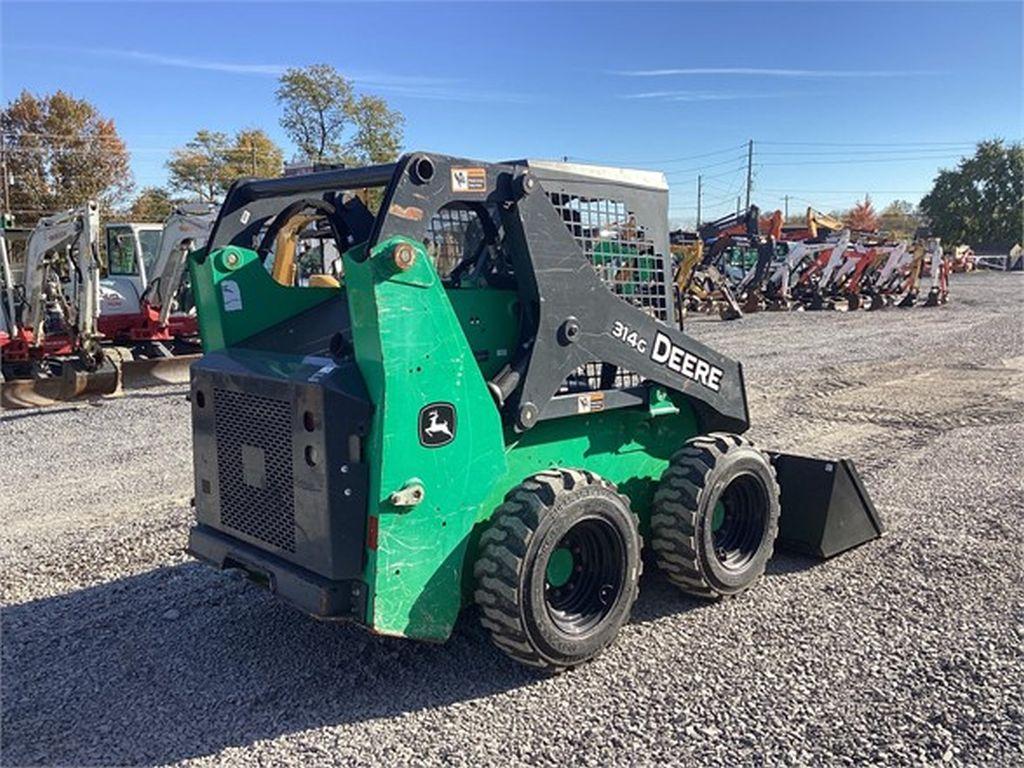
{"points": [[629, 447], [490, 322], [414, 345], [237, 298], [411, 350]]}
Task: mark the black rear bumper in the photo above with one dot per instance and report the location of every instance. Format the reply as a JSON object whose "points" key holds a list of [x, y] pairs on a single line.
{"points": [[305, 590]]}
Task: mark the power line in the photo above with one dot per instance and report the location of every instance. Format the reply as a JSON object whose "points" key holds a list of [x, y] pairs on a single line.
{"points": [[697, 168], [869, 144], [858, 152], [666, 160], [861, 161], [846, 191], [689, 174]]}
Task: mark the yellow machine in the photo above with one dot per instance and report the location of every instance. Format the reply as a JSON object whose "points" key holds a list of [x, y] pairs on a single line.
{"points": [[817, 219]]}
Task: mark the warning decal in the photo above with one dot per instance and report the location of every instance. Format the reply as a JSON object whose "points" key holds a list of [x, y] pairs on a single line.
{"points": [[591, 402], [469, 179]]}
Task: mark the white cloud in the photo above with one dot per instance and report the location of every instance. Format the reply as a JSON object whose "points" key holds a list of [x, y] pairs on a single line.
{"points": [[273, 70], [700, 96], [767, 72], [412, 86]]}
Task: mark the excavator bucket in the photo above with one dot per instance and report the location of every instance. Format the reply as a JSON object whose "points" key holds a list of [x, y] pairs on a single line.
{"points": [[157, 371], [117, 373], [825, 508], [74, 382], [908, 300]]}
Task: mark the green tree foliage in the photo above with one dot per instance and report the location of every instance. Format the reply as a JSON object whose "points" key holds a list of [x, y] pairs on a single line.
{"points": [[899, 220], [981, 201], [253, 153], [152, 204], [379, 129], [208, 164], [200, 167], [61, 152], [317, 103], [329, 123]]}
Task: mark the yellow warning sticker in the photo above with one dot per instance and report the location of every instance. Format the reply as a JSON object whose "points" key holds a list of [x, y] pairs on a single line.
{"points": [[590, 402], [469, 179]]}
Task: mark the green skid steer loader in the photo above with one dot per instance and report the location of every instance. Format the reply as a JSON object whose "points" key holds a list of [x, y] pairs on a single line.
{"points": [[479, 398]]}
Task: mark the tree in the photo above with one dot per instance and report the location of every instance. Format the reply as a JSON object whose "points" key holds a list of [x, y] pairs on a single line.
{"points": [[208, 164], [60, 152], [318, 104], [862, 216], [899, 219], [379, 131], [200, 167], [329, 123], [152, 204], [253, 153], [981, 201]]}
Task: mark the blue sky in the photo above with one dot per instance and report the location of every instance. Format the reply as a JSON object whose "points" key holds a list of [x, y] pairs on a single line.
{"points": [[840, 99]]}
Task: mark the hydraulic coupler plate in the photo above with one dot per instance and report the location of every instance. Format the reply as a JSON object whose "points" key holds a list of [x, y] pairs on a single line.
{"points": [[825, 508]]}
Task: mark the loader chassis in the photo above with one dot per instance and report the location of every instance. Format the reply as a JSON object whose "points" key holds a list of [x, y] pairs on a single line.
{"points": [[494, 321]]}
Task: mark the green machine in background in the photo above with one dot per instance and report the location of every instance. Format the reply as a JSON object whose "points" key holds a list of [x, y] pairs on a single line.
{"points": [[481, 402]]}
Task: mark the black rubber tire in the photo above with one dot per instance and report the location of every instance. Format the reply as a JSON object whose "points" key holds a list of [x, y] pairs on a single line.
{"points": [[708, 469], [512, 589]]}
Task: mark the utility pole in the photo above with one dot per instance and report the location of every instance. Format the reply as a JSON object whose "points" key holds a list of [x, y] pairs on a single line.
{"points": [[699, 192], [7, 173], [252, 156], [750, 168], [787, 208], [737, 205]]}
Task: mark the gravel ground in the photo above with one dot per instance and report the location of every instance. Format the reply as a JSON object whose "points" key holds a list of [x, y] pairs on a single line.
{"points": [[116, 649]]}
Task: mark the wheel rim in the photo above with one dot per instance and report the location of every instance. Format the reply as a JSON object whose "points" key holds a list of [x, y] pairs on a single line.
{"points": [[583, 576], [738, 522]]}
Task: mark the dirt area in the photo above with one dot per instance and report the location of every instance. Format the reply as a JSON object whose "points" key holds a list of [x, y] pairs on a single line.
{"points": [[117, 649]]}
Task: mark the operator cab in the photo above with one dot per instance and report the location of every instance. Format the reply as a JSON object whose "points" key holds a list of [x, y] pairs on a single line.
{"points": [[132, 250], [299, 237]]}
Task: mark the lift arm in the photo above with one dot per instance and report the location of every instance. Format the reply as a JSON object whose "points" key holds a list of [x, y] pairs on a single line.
{"points": [[8, 314], [187, 228], [816, 219], [79, 230]]}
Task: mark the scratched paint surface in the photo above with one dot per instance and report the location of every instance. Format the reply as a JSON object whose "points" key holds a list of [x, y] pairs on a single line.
{"points": [[412, 352], [415, 345]]}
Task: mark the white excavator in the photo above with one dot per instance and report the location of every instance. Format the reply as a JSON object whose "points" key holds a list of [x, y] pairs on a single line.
{"points": [[131, 256], [151, 316], [52, 348], [58, 310], [779, 285]]}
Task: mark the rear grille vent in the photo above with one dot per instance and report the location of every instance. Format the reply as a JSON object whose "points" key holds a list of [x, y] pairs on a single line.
{"points": [[254, 467]]}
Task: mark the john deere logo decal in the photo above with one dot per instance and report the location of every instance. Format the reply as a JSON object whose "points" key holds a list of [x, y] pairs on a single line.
{"points": [[437, 424]]}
